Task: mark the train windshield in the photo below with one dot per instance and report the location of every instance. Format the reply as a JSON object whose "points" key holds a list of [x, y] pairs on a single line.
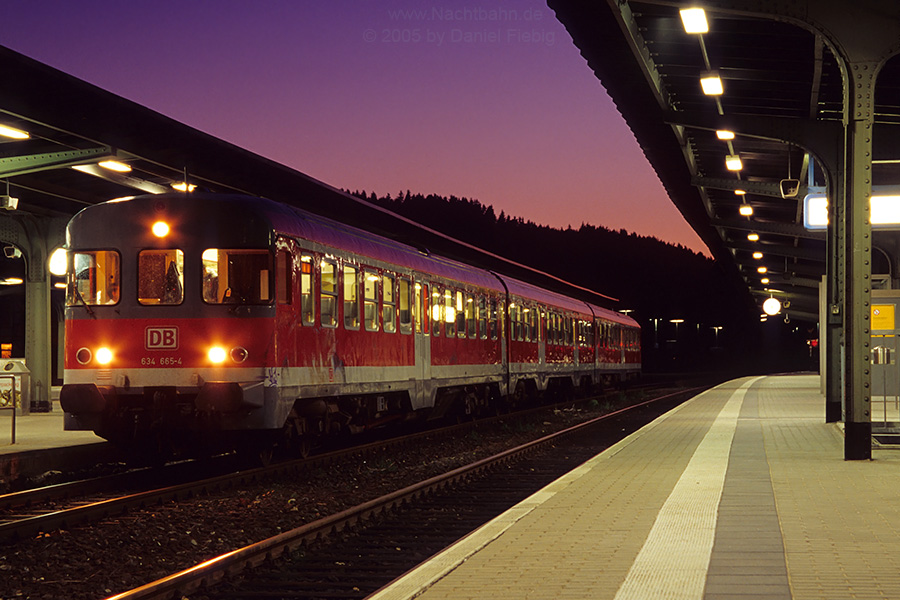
{"points": [[94, 279], [237, 276], [161, 277]]}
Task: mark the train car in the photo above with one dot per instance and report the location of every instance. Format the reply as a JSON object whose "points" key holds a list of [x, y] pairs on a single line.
{"points": [[205, 321]]}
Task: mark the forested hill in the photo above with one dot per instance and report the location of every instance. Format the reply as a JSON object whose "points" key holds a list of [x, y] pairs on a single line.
{"points": [[654, 278]]}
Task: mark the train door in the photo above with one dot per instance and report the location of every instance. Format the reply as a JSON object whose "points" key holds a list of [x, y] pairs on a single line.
{"points": [[421, 332]]}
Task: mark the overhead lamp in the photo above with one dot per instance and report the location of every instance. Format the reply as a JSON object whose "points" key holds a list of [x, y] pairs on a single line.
{"points": [[183, 186], [757, 255], [694, 20], [772, 306], [12, 132], [57, 263], [762, 270], [740, 192], [724, 134], [114, 165], [753, 237], [745, 210], [711, 84], [764, 281], [733, 162]]}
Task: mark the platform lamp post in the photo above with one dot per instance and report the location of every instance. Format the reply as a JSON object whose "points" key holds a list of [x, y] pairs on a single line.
{"points": [[716, 329]]}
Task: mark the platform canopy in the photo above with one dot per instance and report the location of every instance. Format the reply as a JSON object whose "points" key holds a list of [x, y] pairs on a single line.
{"points": [[782, 96]]}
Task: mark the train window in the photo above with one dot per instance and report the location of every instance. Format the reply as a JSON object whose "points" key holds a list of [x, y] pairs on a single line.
{"points": [[460, 315], [482, 318], [161, 277], [329, 292], [307, 312], [470, 317], [494, 319], [94, 278], [351, 297], [388, 304], [436, 311], [527, 325], [406, 305], [370, 301], [284, 264], [237, 276], [449, 314]]}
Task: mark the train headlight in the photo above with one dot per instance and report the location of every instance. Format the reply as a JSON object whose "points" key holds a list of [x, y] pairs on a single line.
{"points": [[217, 355], [104, 356]]}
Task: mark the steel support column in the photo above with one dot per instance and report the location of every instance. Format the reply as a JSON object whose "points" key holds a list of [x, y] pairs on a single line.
{"points": [[858, 262]]}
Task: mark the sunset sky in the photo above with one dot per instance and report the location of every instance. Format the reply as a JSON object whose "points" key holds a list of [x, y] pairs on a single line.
{"points": [[487, 100]]}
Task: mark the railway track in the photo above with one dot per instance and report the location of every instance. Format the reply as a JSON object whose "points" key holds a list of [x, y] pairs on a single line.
{"points": [[61, 506], [355, 552]]}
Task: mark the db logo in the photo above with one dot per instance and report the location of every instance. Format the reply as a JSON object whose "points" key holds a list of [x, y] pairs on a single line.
{"points": [[161, 338]]}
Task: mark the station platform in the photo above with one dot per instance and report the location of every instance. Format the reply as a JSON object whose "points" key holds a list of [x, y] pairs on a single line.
{"points": [[740, 493], [41, 445]]}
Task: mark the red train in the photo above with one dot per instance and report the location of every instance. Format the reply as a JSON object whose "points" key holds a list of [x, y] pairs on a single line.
{"points": [[200, 319]]}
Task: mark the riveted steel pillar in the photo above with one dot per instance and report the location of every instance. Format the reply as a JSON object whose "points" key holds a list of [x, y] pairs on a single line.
{"points": [[858, 261], [832, 321]]}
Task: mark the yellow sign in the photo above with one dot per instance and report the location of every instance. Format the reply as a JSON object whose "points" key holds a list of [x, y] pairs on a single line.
{"points": [[883, 317]]}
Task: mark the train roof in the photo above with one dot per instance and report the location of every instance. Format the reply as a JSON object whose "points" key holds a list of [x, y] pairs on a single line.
{"points": [[253, 218]]}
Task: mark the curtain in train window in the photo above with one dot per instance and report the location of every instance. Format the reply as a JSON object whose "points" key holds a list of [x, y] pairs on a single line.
{"points": [[460, 315], [437, 310], [94, 279], [161, 277], [406, 305], [482, 318], [351, 297], [370, 301], [307, 310], [388, 304], [284, 266], [237, 276], [449, 314], [470, 317], [329, 291]]}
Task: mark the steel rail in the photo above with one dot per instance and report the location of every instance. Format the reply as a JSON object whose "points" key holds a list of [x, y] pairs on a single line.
{"points": [[213, 571]]}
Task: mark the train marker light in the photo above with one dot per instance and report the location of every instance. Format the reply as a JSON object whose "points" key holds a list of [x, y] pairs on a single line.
{"points": [[160, 229], [217, 355], [104, 356], [772, 306], [694, 20]]}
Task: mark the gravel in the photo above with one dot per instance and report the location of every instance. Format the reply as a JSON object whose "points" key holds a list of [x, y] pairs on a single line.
{"points": [[119, 554]]}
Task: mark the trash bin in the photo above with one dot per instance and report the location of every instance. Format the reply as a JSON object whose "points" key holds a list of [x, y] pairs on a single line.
{"points": [[21, 378]]}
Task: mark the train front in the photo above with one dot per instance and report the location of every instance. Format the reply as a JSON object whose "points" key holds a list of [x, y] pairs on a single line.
{"points": [[169, 321]]}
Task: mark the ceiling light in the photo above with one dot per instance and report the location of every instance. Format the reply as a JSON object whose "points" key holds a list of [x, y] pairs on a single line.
{"points": [[694, 20], [884, 210], [757, 255], [740, 192], [753, 237], [745, 210], [724, 134], [764, 280], [762, 270], [772, 306], [114, 165], [712, 85], [733, 162], [12, 132], [182, 186]]}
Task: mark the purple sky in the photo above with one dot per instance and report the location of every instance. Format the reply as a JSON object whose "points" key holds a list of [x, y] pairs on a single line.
{"points": [[485, 100]]}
